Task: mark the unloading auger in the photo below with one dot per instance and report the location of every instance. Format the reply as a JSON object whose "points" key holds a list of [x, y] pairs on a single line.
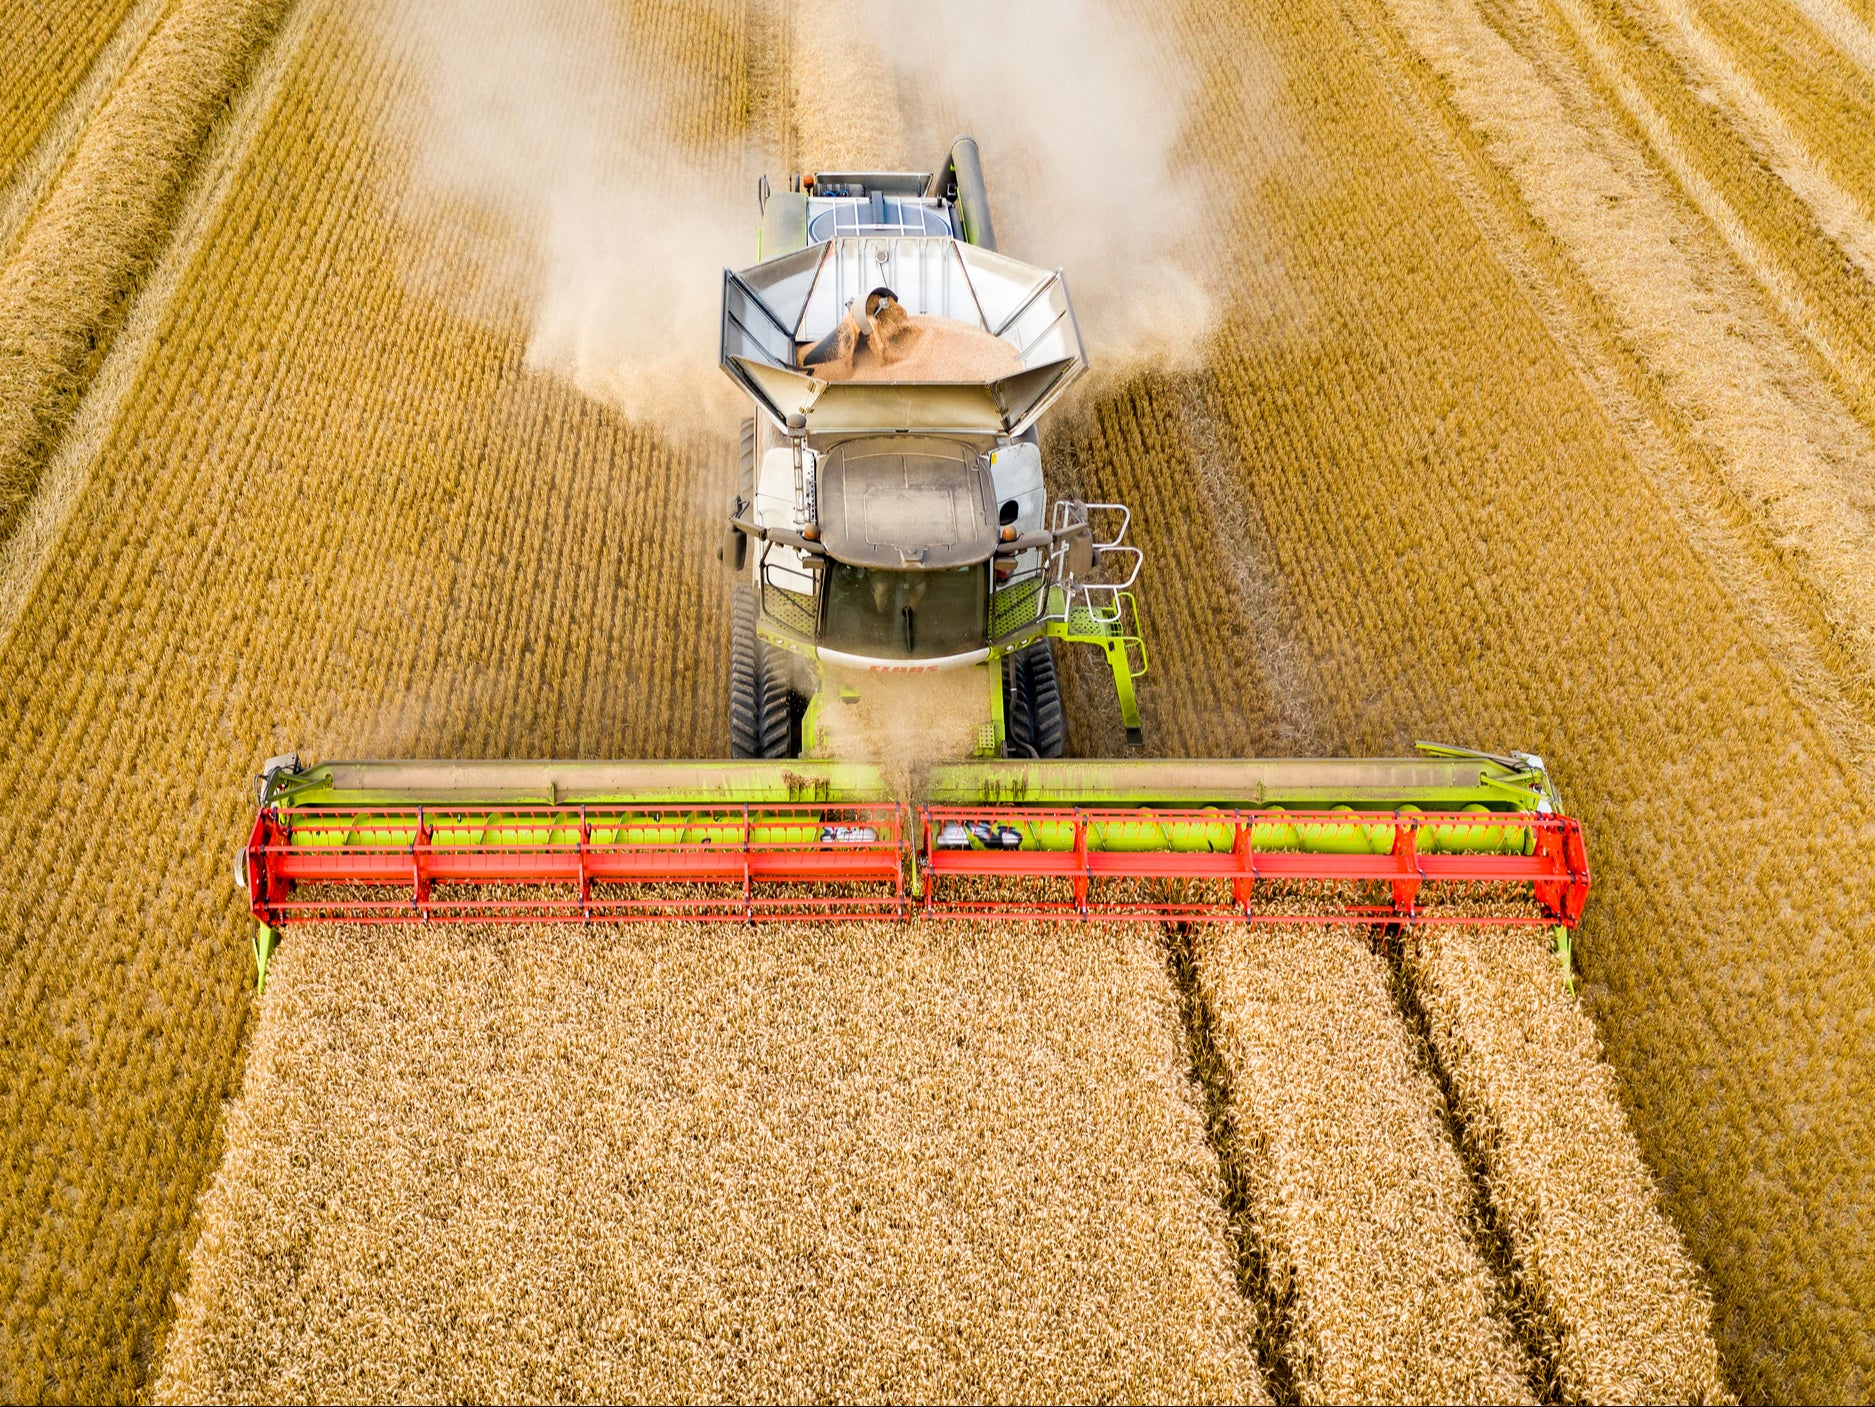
{"points": [[892, 519]]}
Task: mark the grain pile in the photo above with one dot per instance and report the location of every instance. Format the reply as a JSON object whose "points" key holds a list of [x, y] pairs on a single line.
{"points": [[1359, 1201], [902, 1161], [1611, 1285], [901, 346]]}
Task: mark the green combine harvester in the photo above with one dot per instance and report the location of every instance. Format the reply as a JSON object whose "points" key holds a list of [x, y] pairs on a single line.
{"points": [[892, 523]]}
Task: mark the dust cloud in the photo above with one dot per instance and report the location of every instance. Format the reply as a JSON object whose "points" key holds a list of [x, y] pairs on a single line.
{"points": [[549, 142], [903, 723], [1085, 121]]}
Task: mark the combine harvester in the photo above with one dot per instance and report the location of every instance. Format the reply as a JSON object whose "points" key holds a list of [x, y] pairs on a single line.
{"points": [[892, 519]]}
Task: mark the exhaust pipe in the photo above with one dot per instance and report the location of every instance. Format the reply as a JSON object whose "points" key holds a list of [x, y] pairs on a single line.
{"points": [[963, 168]]}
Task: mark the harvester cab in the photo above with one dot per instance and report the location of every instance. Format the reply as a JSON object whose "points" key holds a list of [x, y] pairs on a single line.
{"points": [[892, 514], [893, 518]]}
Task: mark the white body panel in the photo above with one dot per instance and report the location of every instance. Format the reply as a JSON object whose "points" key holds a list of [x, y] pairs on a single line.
{"points": [[874, 666], [775, 507]]}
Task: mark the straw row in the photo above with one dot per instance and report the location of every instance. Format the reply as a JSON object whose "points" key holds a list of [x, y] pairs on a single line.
{"points": [[1606, 1277], [1359, 1203], [65, 288], [48, 46], [870, 1161]]}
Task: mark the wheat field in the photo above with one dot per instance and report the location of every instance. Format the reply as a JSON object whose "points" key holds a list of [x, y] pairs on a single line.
{"points": [[48, 47], [1361, 1205], [1528, 404], [852, 1162], [1606, 1279]]}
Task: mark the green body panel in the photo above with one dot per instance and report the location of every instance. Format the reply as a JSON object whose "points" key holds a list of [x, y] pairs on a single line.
{"points": [[1430, 783], [471, 828], [530, 783], [265, 940], [1107, 630]]}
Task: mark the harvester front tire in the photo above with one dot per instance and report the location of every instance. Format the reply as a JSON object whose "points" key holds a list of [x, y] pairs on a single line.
{"points": [[1033, 720], [760, 706]]}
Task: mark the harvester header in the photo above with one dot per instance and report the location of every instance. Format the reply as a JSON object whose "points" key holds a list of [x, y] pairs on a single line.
{"points": [[750, 841]]}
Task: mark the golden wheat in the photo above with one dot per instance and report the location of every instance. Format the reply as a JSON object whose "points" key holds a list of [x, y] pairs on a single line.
{"points": [[1471, 550], [1772, 231], [694, 1162], [66, 286], [1618, 1298], [48, 46], [327, 509], [24, 182], [1726, 379], [1357, 1197]]}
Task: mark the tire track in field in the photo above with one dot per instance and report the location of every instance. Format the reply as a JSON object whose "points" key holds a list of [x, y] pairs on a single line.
{"points": [[1820, 298], [1840, 214], [1761, 462], [93, 239], [25, 552]]}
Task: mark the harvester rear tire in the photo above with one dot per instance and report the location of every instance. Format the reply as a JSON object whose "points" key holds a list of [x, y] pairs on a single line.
{"points": [[1051, 724], [1033, 721], [760, 706]]}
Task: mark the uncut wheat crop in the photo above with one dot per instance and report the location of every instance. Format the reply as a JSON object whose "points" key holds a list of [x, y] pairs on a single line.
{"points": [[679, 1162], [1613, 1291], [1357, 1199]]}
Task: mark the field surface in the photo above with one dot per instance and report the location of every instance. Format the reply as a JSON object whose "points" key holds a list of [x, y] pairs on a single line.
{"points": [[48, 47], [936, 1161], [1530, 402], [1360, 1202]]}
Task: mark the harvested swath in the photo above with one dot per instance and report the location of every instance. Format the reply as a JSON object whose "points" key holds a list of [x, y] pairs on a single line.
{"points": [[65, 289], [1604, 1272], [680, 1161], [48, 45], [44, 127], [1358, 1197]]}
